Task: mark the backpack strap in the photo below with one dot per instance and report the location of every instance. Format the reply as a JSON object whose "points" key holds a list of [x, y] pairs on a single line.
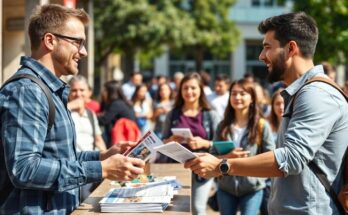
{"points": [[51, 106], [313, 166], [91, 119]]}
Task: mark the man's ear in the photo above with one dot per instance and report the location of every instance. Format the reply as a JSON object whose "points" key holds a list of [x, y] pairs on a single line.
{"points": [[293, 48], [48, 41]]}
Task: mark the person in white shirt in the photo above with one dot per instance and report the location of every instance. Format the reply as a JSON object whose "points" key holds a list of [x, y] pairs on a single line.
{"points": [[128, 88], [219, 98], [88, 133]]}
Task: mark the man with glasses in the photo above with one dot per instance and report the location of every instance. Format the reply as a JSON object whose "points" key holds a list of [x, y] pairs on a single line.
{"points": [[40, 170]]}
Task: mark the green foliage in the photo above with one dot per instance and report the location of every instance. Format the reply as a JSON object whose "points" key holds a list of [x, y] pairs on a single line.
{"points": [[331, 17], [147, 26]]}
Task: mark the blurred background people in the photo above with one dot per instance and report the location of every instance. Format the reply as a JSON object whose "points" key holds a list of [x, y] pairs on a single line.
{"points": [[142, 107], [128, 88], [163, 103], [90, 103], [114, 107], [178, 76], [329, 70], [243, 124], [88, 133], [219, 98], [192, 110], [263, 99]]}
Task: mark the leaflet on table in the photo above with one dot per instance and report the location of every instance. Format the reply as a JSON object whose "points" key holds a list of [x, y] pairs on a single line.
{"points": [[175, 151], [144, 149], [157, 190]]}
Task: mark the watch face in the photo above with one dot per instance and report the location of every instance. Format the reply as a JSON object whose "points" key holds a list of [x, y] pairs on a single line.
{"points": [[224, 167]]}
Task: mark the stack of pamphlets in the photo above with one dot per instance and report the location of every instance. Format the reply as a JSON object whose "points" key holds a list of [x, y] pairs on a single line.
{"points": [[140, 197]]}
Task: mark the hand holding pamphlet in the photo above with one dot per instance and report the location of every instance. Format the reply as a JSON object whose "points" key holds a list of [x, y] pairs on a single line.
{"points": [[182, 132], [150, 143]]}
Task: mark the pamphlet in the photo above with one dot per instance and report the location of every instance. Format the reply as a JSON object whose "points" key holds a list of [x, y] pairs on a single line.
{"points": [[149, 144], [182, 132], [176, 151], [144, 149]]}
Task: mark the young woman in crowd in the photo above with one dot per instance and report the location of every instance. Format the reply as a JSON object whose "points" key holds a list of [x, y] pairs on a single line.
{"points": [[114, 106], [142, 107], [191, 110], [162, 105], [251, 135]]}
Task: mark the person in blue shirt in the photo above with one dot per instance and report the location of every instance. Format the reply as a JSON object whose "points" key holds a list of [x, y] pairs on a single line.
{"points": [[313, 129], [40, 169]]}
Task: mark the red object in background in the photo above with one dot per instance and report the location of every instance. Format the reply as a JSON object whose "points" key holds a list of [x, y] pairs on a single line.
{"points": [[70, 3], [125, 130]]}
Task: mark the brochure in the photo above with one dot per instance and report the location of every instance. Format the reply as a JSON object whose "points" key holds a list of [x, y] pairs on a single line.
{"points": [[182, 132], [176, 151], [149, 144]]}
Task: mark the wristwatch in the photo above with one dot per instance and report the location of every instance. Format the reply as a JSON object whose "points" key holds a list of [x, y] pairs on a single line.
{"points": [[224, 167]]}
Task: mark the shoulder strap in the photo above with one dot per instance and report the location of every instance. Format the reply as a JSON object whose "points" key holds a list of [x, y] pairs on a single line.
{"points": [[313, 166], [317, 79], [91, 119], [51, 107]]}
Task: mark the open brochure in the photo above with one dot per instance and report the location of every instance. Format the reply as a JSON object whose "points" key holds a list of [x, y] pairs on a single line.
{"points": [[149, 144]]}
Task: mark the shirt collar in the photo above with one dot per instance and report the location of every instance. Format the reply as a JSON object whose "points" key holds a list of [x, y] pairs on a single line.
{"points": [[52, 81], [296, 85]]}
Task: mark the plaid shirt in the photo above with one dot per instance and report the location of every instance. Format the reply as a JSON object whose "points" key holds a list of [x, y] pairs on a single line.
{"points": [[40, 170]]}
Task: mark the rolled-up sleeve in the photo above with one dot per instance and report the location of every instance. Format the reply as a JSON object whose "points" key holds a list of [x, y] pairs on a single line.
{"points": [[314, 113]]}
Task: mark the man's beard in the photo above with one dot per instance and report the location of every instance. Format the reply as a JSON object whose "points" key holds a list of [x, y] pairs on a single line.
{"points": [[278, 69]]}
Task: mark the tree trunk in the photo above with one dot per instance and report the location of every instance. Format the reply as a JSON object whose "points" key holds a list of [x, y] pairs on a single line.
{"points": [[127, 65], [199, 59]]}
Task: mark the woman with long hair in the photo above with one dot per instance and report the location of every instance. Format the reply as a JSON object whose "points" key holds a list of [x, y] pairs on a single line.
{"points": [[192, 110], [162, 105], [114, 107], [142, 107], [251, 134]]}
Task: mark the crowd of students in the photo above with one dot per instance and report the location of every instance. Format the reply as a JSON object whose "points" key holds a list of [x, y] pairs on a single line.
{"points": [[241, 111]]}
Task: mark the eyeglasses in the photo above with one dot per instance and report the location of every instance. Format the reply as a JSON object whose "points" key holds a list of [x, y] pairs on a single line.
{"points": [[78, 42]]}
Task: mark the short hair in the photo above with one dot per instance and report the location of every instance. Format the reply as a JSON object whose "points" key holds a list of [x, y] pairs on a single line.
{"points": [[297, 26], [51, 18], [222, 77], [78, 78]]}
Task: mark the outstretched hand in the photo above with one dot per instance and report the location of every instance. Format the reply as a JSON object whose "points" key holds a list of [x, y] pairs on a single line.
{"points": [[205, 165]]}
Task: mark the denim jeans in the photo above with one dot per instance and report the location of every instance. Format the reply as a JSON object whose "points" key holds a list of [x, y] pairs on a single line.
{"points": [[200, 194], [248, 204]]}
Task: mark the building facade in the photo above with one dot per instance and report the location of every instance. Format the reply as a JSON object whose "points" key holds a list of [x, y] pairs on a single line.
{"points": [[247, 14]]}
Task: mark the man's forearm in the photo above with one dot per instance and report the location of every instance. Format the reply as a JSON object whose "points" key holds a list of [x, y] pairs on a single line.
{"points": [[262, 165]]}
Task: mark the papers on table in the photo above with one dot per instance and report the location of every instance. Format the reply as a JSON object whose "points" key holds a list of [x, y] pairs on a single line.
{"points": [[148, 197], [149, 144]]}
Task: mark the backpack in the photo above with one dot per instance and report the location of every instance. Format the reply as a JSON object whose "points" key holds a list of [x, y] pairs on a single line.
{"points": [[340, 200], [51, 106], [125, 130]]}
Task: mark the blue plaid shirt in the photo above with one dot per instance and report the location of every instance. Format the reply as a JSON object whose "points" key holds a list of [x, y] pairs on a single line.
{"points": [[40, 170]]}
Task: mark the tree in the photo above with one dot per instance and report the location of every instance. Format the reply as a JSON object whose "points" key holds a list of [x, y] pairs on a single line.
{"points": [[213, 30], [331, 16], [131, 26]]}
